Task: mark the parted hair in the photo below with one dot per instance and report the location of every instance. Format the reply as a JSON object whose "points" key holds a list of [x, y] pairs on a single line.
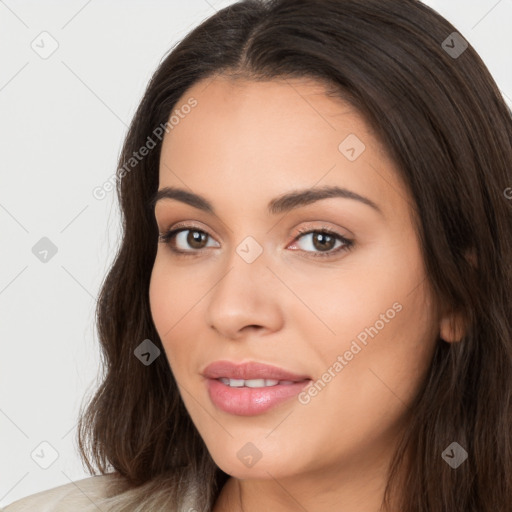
{"points": [[446, 127]]}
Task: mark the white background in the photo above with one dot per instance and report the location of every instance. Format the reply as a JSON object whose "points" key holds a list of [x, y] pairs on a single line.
{"points": [[62, 123]]}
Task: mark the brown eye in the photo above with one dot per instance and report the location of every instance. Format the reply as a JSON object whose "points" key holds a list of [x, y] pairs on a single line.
{"points": [[185, 240], [322, 242], [195, 238]]}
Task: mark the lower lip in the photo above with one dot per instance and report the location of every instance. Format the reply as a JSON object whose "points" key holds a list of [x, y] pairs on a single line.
{"points": [[245, 401]]}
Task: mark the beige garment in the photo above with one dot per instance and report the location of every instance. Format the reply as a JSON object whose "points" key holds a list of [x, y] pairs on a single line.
{"points": [[79, 496]]}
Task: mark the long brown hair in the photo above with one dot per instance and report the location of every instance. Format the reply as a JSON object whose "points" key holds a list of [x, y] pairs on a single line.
{"points": [[445, 124]]}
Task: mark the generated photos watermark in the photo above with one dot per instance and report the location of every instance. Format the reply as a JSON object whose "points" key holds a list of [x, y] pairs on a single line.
{"points": [[316, 387], [100, 192]]}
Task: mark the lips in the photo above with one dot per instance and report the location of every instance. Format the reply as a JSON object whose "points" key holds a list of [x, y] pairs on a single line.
{"points": [[250, 371], [250, 388]]}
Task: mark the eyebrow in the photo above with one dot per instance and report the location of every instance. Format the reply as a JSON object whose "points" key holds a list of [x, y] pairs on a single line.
{"points": [[278, 205]]}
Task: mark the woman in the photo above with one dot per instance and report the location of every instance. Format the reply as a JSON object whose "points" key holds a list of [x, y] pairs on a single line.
{"points": [[310, 307]]}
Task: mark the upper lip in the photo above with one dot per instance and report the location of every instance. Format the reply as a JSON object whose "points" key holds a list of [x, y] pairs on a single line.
{"points": [[250, 370]]}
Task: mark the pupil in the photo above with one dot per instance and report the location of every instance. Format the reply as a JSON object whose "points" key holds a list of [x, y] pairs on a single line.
{"points": [[322, 238], [195, 237]]}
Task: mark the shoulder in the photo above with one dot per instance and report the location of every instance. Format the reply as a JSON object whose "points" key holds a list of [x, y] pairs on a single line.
{"points": [[80, 496]]}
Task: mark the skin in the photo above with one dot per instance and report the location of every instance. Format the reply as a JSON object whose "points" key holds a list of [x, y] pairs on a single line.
{"points": [[244, 144]]}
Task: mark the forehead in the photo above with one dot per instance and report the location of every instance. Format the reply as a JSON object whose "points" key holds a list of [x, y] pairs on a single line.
{"points": [[255, 137]]}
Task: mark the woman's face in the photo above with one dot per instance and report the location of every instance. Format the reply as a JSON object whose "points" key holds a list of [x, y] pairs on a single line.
{"points": [[356, 318]]}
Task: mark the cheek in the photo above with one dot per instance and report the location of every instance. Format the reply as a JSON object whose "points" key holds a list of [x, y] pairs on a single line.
{"points": [[382, 326], [174, 297], [158, 296], [171, 294], [360, 304], [362, 390], [385, 353], [165, 304]]}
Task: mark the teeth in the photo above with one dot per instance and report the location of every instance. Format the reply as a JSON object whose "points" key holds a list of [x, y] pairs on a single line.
{"points": [[234, 383], [252, 383]]}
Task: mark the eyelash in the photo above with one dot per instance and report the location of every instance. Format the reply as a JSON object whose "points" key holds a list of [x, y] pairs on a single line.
{"points": [[348, 244]]}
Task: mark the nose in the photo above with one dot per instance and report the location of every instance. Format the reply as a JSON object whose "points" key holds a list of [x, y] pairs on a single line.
{"points": [[246, 298]]}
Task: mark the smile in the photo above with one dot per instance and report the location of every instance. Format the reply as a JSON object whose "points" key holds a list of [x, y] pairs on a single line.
{"points": [[254, 383]]}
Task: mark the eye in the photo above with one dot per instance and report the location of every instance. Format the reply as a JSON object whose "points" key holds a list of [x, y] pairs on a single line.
{"points": [[323, 240], [183, 236]]}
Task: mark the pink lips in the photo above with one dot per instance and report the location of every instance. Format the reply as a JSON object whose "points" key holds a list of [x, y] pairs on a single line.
{"points": [[246, 401], [247, 371]]}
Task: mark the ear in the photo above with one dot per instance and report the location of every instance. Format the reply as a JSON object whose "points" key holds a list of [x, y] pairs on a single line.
{"points": [[451, 327], [451, 324]]}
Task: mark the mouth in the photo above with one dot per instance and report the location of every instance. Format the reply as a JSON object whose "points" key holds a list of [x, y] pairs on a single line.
{"points": [[256, 383], [251, 388]]}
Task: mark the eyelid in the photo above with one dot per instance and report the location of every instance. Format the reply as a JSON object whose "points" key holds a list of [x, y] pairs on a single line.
{"points": [[185, 225], [314, 226]]}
